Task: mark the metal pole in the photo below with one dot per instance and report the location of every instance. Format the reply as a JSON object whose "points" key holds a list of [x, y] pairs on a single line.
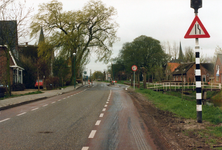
{"points": [[134, 80], [198, 83], [198, 80], [74, 71]]}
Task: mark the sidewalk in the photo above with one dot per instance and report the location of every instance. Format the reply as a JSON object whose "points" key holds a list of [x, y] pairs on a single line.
{"points": [[12, 102]]}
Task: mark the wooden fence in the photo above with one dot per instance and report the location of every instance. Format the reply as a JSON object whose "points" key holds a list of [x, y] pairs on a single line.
{"points": [[184, 85]]}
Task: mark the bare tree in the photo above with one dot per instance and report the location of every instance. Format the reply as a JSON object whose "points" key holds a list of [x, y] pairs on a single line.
{"points": [[189, 55], [17, 10], [175, 50]]}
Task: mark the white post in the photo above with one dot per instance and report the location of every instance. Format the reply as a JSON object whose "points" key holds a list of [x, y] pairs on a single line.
{"points": [[134, 80]]}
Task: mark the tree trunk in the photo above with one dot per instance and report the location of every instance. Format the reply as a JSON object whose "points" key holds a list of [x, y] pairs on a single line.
{"points": [[8, 72], [131, 79], [144, 80], [138, 74]]}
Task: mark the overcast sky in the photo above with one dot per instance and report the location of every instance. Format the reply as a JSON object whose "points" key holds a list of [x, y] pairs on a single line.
{"points": [[164, 20]]}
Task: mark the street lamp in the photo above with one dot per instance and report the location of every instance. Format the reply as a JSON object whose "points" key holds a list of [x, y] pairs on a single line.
{"points": [[196, 4], [74, 54]]}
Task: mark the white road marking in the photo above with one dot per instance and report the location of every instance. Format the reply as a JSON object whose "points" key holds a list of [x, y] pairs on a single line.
{"points": [[98, 122], [52, 102], [107, 102], [105, 106], [35, 109], [104, 109], [101, 115], [64, 98], [4, 120], [59, 100], [92, 134], [85, 148], [45, 105], [21, 114]]}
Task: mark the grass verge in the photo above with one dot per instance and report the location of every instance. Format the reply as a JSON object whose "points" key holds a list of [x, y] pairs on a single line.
{"points": [[187, 109]]}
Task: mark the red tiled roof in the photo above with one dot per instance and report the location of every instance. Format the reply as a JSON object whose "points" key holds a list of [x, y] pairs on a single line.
{"points": [[172, 66]]}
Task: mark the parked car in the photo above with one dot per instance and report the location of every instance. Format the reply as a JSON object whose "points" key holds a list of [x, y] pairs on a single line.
{"points": [[41, 81]]}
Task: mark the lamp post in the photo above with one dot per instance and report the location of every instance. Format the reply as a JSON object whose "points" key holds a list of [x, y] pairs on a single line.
{"points": [[74, 73]]}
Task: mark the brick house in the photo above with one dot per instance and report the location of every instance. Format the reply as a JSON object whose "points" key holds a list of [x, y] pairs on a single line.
{"points": [[186, 72], [218, 69], [9, 39], [171, 66]]}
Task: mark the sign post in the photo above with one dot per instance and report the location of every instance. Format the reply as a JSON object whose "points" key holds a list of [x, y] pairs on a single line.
{"points": [[197, 30], [134, 69]]}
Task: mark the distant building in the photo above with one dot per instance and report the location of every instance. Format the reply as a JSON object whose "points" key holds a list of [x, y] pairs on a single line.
{"points": [[218, 69], [9, 40], [186, 72], [171, 66]]}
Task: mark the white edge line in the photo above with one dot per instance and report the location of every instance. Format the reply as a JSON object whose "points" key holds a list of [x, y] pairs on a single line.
{"points": [[21, 114], [101, 115], [92, 134], [85, 148], [5, 120], [98, 122], [35, 109]]}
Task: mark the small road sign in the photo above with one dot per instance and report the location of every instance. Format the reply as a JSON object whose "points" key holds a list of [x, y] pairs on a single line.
{"points": [[197, 30], [134, 68]]}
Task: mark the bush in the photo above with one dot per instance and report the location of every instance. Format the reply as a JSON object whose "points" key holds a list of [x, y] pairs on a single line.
{"points": [[2, 91], [52, 83], [79, 80], [18, 87]]}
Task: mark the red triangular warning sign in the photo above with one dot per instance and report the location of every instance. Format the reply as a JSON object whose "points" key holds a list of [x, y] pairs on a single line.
{"points": [[197, 30]]}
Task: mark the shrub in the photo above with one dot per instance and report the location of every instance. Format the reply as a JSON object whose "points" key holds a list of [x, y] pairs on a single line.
{"points": [[52, 83], [18, 87], [79, 80], [2, 91]]}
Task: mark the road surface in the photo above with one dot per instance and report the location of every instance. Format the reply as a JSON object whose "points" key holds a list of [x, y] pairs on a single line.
{"points": [[96, 118]]}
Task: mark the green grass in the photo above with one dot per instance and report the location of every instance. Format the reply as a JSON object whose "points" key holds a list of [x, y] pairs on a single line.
{"points": [[187, 109], [182, 108]]}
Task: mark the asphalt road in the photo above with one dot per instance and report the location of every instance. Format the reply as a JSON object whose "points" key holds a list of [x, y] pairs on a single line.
{"points": [[99, 118]]}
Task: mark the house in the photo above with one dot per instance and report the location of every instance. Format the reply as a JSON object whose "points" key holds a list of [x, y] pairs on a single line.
{"points": [[9, 41], [171, 66], [186, 72], [218, 69]]}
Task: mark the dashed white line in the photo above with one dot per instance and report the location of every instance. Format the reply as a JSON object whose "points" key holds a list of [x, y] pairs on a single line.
{"points": [[4, 120], [107, 102], [98, 122], [101, 115], [52, 102], [64, 98], [21, 114], [104, 109], [35, 109], [92, 134], [85, 148], [105, 106], [59, 100], [45, 105]]}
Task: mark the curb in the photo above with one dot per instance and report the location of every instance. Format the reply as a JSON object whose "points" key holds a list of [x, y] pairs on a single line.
{"points": [[34, 100]]}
